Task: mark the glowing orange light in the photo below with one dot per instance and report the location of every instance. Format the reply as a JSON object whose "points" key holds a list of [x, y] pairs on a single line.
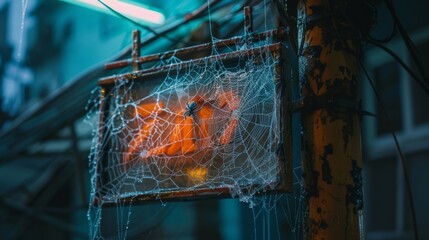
{"points": [[198, 174], [228, 132], [232, 102], [182, 136]]}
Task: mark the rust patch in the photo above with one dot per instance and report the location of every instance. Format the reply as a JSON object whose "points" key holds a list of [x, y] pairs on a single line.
{"points": [[326, 168], [310, 178], [354, 192], [312, 189], [316, 225]]}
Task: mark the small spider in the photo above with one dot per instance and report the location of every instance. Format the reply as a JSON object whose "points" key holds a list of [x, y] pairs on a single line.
{"points": [[190, 109]]}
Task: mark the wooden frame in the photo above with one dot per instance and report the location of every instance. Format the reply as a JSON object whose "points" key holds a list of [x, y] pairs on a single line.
{"points": [[283, 152]]}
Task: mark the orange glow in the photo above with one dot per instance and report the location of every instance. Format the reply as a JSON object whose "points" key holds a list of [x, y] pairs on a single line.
{"points": [[198, 174], [182, 136], [228, 132], [174, 140], [143, 110], [188, 137], [157, 151], [230, 100], [204, 115], [147, 109]]}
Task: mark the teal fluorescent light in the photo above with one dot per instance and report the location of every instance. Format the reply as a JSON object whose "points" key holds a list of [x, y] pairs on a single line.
{"points": [[135, 12]]}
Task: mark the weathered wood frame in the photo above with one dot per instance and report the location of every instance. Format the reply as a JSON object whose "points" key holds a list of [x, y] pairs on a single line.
{"points": [[282, 73]]}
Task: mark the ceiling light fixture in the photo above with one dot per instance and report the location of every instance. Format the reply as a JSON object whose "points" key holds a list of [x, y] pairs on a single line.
{"points": [[136, 12]]}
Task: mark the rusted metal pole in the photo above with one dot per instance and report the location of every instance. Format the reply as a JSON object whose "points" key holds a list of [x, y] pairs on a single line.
{"points": [[331, 137]]}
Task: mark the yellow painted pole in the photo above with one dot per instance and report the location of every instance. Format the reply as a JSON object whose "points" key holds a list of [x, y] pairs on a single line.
{"points": [[331, 138]]}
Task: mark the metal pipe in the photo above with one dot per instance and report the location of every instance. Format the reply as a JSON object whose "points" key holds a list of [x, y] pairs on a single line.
{"points": [[331, 137]]}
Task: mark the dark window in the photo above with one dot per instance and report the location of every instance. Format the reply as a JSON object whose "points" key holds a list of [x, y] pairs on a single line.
{"points": [[419, 96], [380, 194], [387, 81], [418, 165]]}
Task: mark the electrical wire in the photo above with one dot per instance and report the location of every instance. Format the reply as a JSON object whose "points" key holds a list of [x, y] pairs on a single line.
{"points": [[386, 39], [196, 14], [422, 81], [407, 40], [392, 33], [158, 34], [424, 85], [399, 151]]}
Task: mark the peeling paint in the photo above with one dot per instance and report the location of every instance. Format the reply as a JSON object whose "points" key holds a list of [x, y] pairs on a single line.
{"points": [[326, 169], [331, 136], [317, 225], [355, 191]]}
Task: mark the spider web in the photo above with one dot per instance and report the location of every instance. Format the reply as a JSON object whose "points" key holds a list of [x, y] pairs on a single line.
{"points": [[205, 125], [208, 124]]}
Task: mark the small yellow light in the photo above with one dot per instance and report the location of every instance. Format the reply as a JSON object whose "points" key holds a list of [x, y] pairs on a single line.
{"points": [[198, 174]]}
